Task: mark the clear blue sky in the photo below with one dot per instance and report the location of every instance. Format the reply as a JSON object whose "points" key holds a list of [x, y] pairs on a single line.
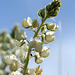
{"points": [[12, 11]]}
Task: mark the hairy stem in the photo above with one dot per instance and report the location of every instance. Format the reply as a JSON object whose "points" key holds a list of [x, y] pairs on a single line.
{"points": [[29, 51]]}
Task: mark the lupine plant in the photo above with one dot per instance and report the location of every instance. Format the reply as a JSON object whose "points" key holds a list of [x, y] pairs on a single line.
{"points": [[16, 50]]}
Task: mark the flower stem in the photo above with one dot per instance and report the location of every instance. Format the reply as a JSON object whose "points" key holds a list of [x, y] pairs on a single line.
{"points": [[36, 33], [29, 50]]}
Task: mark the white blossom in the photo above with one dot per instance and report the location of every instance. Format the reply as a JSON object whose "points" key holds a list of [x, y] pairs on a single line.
{"points": [[35, 23], [52, 27], [39, 60], [45, 53], [50, 37], [27, 23], [20, 35], [37, 44], [13, 62]]}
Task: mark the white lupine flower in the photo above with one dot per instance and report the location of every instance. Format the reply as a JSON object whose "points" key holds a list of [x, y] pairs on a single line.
{"points": [[15, 73], [45, 53], [50, 37], [12, 62], [44, 40], [43, 29], [50, 33], [39, 60], [15, 65], [52, 27], [2, 72], [20, 35], [37, 55], [10, 58], [35, 23], [37, 44], [2, 65], [28, 23]]}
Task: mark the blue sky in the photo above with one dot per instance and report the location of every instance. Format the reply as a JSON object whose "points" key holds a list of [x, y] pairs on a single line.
{"points": [[14, 11]]}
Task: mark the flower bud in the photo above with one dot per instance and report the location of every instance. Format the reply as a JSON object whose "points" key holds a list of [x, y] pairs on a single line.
{"points": [[41, 12], [43, 29], [35, 23], [28, 23], [39, 60]]}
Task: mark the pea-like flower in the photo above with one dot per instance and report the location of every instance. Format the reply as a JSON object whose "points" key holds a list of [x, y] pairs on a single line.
{"points": [[51, 26], [27, 23], [20, 35], [50, 37], [37, 44], [13, 62], [38, 59], [35, 23], [45, 53]]}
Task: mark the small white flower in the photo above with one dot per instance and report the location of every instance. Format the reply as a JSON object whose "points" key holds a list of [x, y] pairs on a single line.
{"points": [[43, 29], [28, 23], [9, 59], [50, 37], [39, 60], [20, 35], [37, 44], [12, 62], [15, 65], [15, 73], [35, 23], [45, 53], [52, 27]]}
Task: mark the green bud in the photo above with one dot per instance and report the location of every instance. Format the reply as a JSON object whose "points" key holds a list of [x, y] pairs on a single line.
{"points": [[50, 26], [53, 13], [35, 23], [41, 12], [56, 4], [49, 7]]}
